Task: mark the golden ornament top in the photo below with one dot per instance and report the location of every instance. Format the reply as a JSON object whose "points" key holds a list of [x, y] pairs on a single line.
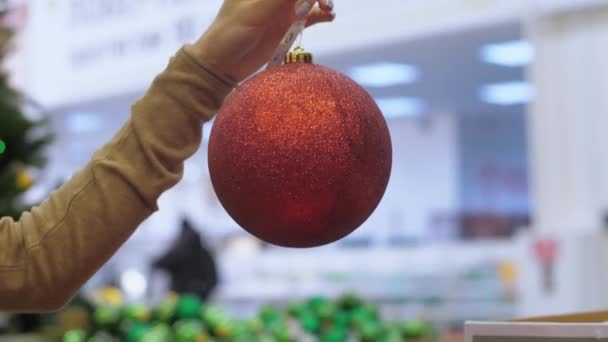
{"points": [[298, 55]]}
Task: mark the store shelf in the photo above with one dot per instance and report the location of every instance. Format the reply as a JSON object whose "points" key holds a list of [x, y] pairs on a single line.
{"points": [[444, 282]]}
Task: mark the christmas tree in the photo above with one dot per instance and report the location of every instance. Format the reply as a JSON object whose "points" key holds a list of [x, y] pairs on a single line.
{"points": [[22, 138]]}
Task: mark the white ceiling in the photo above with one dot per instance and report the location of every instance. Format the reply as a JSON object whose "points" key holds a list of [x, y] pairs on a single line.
{"points": [[451, 71]]}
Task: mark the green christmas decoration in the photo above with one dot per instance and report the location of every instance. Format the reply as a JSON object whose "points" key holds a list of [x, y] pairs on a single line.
{"points": [[271, 316], [188, 307], [335, 335], [392, 336], [349, 301], [326, 310], [190, 331], [218, 323], [136, 313], [223, 330], [414, 329], [245, 338], [22, 138], [137, 332], [310, 323], [296, 310], [280, 332], [316, 302], [75, 336], [370, 332], [106, 316], [184, 318], [166, 311], [255, 326], [360, 317], [103, 336], [342, 319]]}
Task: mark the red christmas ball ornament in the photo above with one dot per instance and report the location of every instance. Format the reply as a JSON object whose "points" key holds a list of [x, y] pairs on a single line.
{"points": [[300, 155]]}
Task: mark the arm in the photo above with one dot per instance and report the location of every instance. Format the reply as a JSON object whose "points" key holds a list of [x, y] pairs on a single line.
{"points": [[52, 250]]}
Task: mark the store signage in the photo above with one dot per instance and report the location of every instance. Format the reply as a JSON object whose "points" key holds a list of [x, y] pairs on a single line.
{"points": [[79, 50]]}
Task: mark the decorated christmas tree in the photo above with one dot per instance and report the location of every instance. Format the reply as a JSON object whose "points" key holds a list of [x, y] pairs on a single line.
{"points": [[22, 138]]}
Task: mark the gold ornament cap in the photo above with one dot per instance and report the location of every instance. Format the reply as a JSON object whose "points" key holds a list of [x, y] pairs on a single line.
{"points": [[298, 55]]}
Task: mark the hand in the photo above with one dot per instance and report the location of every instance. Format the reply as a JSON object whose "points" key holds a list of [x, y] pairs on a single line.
{"points": [[245, 33]]}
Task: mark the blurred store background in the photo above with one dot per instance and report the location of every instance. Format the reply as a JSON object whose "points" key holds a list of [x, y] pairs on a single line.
{"points": [[497, 205]]}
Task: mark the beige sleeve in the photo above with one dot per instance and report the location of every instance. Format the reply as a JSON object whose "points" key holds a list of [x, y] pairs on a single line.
{"points": [[51, 251]]}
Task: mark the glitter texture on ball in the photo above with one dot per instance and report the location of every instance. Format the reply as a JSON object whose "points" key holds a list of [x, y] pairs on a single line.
{"points": [[300, 155]]}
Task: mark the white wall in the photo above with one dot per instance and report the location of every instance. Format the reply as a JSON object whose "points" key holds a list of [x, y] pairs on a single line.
{"points": [[567, 123], [424, 179], [494, 164]]}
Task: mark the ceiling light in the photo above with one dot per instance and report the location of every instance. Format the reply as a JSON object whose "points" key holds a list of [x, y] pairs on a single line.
{"points": [[401, 106], [505, 94], [515, 53], [384, 74]]}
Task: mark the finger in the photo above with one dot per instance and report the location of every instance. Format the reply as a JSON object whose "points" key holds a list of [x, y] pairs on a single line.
{"points": [[326, 5], [320, 16]]}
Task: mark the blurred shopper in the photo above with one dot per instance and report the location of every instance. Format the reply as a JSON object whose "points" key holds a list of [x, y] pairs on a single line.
{"points": [[190, 264]]}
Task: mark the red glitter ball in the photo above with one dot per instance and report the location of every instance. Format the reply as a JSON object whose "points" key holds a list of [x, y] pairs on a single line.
{"points": [[300, 155]]}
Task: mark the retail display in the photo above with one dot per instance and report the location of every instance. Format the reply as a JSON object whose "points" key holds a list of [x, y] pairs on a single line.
{"points": [[300, 155], [186, 318]]}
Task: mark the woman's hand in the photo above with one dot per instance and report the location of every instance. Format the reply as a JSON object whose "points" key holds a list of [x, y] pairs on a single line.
{"points": [[245, 33]]}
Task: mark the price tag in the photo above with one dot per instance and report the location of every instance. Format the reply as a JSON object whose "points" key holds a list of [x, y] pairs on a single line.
{"points": [[546, 251]]}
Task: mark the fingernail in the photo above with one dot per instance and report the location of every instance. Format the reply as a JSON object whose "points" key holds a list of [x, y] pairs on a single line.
{"points": [[330, 3], [303, 9]]}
